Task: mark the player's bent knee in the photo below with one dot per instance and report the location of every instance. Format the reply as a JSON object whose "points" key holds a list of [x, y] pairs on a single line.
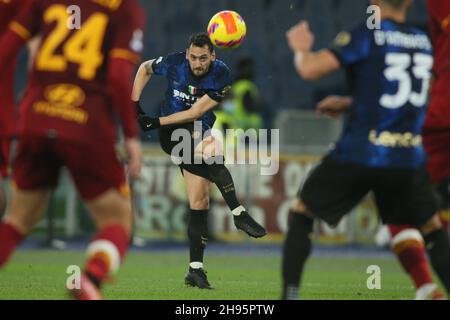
{"points": [[201, 204], [111, 208], [123, 218], [17, 224], [25, 221], [26, 209], [210, 148], [300, 207]]}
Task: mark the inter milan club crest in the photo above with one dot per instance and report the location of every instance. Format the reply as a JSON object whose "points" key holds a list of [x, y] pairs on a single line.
{"points": [[193, 90]]}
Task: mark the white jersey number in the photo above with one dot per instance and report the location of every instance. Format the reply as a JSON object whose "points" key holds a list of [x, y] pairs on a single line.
{"points": [[397, 70]]}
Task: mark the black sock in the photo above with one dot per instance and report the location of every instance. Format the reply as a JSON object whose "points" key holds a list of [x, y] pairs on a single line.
{"points": [[197, 234], [96, 281], [223, 180], [438, 246], [296, 251]]}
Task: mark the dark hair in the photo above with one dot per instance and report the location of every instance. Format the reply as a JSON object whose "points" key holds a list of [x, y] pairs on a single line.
{"points": [[200, 40], [396, 4]]}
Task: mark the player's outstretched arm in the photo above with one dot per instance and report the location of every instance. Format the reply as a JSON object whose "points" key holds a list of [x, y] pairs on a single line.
{"points": [[143, 76], [135, 157], [120, 72], [310, 65], [199, 108], [334, 106]]}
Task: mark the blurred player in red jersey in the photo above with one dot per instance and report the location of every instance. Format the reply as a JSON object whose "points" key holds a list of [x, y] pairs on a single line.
{"points": [[437, 125], [81, 78], [8, 10]]}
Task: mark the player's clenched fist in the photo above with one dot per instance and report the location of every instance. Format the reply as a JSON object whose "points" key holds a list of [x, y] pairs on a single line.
{"points": [[145, 122], [300, 37]]}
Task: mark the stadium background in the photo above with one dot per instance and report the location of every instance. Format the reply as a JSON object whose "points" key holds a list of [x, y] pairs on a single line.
{"points": [[159, 198]]}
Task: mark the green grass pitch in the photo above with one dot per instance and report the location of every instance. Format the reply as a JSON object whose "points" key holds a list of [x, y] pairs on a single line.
{"points": [[157, 276]]}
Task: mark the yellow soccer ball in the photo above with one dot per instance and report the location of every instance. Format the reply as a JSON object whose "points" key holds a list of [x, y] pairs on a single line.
{"points": [[227, 30]]}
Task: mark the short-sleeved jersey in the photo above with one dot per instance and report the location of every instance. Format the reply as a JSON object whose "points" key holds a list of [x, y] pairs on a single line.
{"points": [[8, 122], [389, 72], [68, 93], [184, 89], [440, 34]]}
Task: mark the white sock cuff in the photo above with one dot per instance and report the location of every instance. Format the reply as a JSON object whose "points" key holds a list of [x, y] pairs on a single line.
{"points": [[196, 265], [109, 249], [407, 235], [238, 211], [425, 291]]}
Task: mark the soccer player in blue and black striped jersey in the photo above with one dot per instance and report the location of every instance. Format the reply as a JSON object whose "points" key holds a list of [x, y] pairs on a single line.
{"points": [[197, 83], [389, 70]]}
